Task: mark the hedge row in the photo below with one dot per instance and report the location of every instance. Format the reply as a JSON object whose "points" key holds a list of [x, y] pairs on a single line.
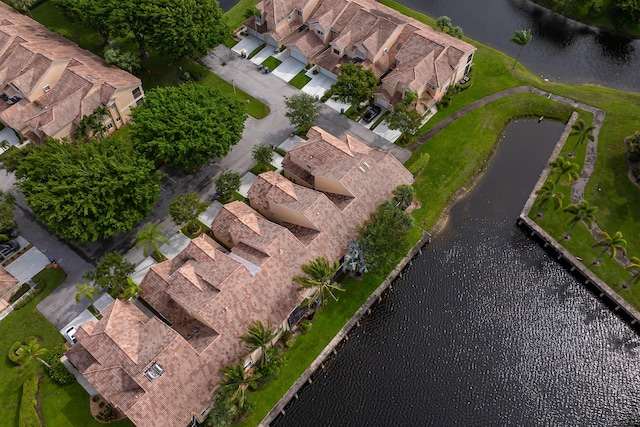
{"points": [[57, 371], [12, 353], [23, 290], [28, 413], [40, 285]]}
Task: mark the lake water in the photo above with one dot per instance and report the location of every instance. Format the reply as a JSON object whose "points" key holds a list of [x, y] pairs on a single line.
{"points": [[483, 328]]}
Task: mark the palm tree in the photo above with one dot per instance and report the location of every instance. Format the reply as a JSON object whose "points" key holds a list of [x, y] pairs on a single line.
{"points": [[259, 336], [237, 382], [634, 264], [403, 196], [32, 349], [132, 290], [4, 145], [614, 244], [150, 238], [583, 132], [320, 274], [546, 194], [521, 38], [87, 290], [580, 212], [561, 166], [263, 155], [81, 131]]}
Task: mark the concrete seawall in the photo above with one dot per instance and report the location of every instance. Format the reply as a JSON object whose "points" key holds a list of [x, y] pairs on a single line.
{"points": [[342, 335]]}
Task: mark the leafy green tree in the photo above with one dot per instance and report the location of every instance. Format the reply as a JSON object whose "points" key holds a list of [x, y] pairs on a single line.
{"points": [[263, 155], [23, 6], [443, 22], [302, 111], [123, 59], [634, 266], [102, 16], [521, 38], [86, 289], [405, 120], [111, 273], [547, 194], [259, 336], [7, 206], [186, 209], [563, 167], [580, 212], [187, 125], [81, 131], [456, 32], [410, 98], [150, 238], [354, 85], [237, 382], [626, 12], [384, 236], [228, 183], [4, 145], [403, 196], [583, 132], [612, 244], [224, 412], [90, 191], [57, 371], [319, 277]]}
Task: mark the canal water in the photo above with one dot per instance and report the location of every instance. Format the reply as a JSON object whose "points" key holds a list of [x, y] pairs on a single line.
{"points": [[484, 328]]}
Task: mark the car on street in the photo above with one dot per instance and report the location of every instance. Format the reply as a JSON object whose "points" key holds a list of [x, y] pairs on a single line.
{"points": [[371, 113], [71, 334]]}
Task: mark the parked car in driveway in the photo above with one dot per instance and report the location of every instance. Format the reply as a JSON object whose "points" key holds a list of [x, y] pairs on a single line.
{"points": [[8, 249], [371, 113], [71, 334]]}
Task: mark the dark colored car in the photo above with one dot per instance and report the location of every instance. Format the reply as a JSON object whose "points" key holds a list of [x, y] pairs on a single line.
{"points": [[371, 113], [7, 249]]}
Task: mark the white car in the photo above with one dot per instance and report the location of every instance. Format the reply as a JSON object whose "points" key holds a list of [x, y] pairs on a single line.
{"points": [[71, 334]]}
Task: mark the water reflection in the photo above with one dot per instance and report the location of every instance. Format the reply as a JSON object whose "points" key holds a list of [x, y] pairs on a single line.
{"points": [[615, 47], [484, 328]]}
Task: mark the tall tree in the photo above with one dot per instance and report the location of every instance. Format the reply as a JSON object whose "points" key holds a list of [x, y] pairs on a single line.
{"points": [[405, 120], [186, 209], [111, 273], [302, 111], [31, 349], [263, 155], [456, 32], [187, 125], [521, 38], [583, 132], [123, 59], [227, 183], [259, 336], [634, 266], [131, 290], [86, 290], [90, 191], [354, 85], [546, 194], [150, 238], [354, 258], [383, 236], [563, 167], [612, 244], [580, 212], [7, 206], [443, 22], [319, 277], [103, 16]]}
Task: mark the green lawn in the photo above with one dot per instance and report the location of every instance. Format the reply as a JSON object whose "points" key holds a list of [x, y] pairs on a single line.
{"points": [[300, 80], [271, 63]]}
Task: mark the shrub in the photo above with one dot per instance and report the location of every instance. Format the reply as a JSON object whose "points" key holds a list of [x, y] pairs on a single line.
{"points": [[23, 290], [418, 166], [57, 371], [305, 325], [28, 413], [15, 358], [40, 285]]}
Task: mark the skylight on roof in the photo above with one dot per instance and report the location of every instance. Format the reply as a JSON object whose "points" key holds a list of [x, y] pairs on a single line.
{"points": [[154, 371]]}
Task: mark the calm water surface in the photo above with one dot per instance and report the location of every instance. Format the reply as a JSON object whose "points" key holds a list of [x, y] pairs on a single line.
{"points": [[484, 328]]}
